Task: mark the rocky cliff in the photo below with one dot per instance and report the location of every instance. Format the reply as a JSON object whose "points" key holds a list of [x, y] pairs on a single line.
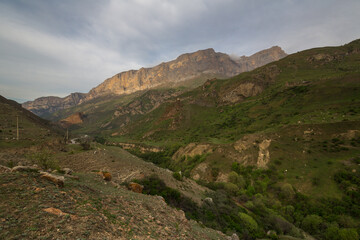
{"points": [[186, 67]]}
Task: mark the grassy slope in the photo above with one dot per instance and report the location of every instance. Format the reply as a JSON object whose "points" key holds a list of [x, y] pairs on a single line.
{"points": [[32, 129], [322, 95], [310, 92]]}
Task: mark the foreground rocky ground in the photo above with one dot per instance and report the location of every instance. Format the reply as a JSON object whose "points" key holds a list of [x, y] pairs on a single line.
{"points": [[32, 207]]}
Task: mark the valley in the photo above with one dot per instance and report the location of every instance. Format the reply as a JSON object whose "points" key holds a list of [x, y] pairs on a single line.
{"points": [[259, 147]]}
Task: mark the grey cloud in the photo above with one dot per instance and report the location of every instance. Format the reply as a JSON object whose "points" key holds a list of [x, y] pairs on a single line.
{"points": [[50, 47]]}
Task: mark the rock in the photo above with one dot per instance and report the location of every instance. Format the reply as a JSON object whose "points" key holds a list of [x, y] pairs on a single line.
{"points": [[24, 169], [60, 213], [58, 180], [54, 211], [234, 237], [67, 171], [107, 176], [4, 169], [208, 200], [135, 187]]}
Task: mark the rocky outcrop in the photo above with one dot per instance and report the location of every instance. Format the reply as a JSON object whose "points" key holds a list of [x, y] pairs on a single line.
{"points": [[76, 118], [58, 180], [264, 154], [192, 150], [45, 105], [186, 67]]}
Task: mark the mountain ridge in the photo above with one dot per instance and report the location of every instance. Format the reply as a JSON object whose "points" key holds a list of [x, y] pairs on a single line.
{"points": [[185, 67]]}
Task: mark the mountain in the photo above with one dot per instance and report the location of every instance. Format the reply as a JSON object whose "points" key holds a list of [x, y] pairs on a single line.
{"points": [[45, 105], [283, 135], [273, 153], [201, 64]]}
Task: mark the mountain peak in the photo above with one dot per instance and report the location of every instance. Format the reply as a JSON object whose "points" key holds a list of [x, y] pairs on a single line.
{"points": [[204, 63]]}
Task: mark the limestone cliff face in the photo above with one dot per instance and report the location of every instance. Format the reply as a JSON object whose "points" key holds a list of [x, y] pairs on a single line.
{"points": [[186, 67], [45, 105]]}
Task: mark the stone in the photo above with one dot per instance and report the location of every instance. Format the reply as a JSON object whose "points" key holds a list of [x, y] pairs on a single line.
{"points": [[107, 176], [24, 169], [59, 213], [208, 200], [58, 180], [135, 187], [234, 237], [67, 171]]}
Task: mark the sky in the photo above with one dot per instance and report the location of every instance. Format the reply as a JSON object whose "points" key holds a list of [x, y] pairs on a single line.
{"points": [[54, 48]]}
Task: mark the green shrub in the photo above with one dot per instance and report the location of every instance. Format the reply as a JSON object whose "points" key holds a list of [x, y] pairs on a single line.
{"points": [[44, 159], [312, 223], [236, 179], [177, 176], [332, 232], [231, 188], [286, 191], [100, 139], [248, 222], [348, 234]]}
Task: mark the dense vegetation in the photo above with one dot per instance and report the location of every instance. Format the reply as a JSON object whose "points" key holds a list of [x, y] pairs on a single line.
{"points": [[254, 204]]}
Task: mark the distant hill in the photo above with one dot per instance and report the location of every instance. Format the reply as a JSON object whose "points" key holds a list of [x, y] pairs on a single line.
{"points": [[202, 64]]}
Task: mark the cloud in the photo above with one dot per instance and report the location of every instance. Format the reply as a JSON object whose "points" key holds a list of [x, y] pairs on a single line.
{"points": [[50, 47]]}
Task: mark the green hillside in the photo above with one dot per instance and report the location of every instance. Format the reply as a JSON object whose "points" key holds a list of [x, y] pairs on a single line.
{"points": [[31, 128], [305, 106], [279, 146]]}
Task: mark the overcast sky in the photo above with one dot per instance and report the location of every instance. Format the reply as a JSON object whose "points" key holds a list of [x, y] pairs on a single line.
{"points": [[55, 47]]}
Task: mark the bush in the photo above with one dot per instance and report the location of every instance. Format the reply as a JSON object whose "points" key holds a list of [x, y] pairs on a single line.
{"points": [[85, 146], [248, 222], [236, 179], [280, 224], [177, 176], [231, 188], [312, 223], [348, 234], [44, 160], [286, 191], [332, 232], [100, 139]]}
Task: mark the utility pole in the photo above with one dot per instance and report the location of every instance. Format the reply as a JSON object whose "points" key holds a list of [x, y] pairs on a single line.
{"points": [[17, 128]]}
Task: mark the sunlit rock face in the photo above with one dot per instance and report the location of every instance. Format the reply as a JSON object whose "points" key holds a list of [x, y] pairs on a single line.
{"points": [[186, 67]]}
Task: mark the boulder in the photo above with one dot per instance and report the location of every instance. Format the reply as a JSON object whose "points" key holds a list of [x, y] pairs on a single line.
{"points": [[135, 187], [58, 180], [208, 200], [106, 176]]}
